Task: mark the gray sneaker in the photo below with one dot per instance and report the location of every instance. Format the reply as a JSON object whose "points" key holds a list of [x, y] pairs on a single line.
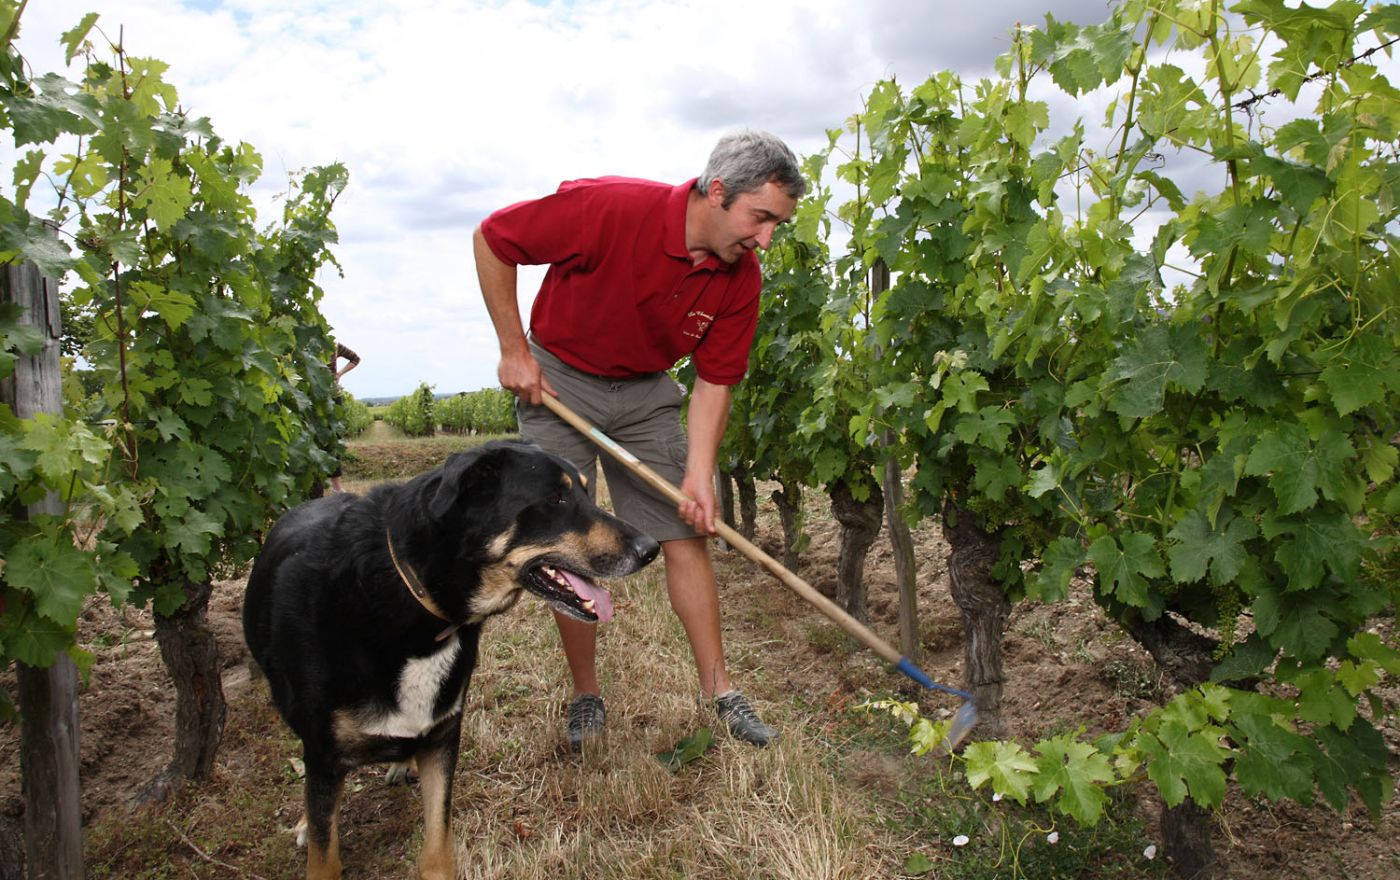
{"points": [[743, 722], [586, 719]]}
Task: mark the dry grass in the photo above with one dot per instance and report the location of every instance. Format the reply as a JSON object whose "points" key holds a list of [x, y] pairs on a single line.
{"points": [[526, 808]]}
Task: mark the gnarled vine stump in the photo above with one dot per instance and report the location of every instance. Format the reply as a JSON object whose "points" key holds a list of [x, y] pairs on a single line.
{"points": [[860, 526], [984, 611]]}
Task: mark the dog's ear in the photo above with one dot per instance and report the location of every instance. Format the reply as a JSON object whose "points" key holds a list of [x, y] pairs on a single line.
{"points": [[462, 474]]}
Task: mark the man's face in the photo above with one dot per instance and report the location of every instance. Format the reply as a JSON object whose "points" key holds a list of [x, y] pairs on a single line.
{"points": [[749, 222]]}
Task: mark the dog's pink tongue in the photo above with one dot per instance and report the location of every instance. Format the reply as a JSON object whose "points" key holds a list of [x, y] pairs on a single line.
{"points": [[602, 599]]}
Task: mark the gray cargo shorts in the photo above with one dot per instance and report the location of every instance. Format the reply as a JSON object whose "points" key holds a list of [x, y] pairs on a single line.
{"points": [[643, 414]]}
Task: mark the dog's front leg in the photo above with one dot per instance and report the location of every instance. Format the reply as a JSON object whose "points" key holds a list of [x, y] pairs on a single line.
{"points": [[323, 787], [437, 764]]}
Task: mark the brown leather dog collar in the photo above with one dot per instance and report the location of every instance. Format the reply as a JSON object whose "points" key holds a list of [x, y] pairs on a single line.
{"points": [[418, 591]]}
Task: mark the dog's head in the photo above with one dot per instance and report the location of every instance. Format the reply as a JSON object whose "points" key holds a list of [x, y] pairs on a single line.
{"points": [[519, 519]]}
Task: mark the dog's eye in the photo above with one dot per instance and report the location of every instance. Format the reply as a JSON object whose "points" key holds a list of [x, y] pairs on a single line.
{"points": [[559, 498]]}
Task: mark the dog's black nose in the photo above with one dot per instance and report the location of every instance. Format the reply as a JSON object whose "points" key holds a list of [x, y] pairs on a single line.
{"points": [[645, 549]]}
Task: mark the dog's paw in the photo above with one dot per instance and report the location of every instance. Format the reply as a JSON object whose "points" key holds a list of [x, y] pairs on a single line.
{"points": [[299, 830], [402, 773]]}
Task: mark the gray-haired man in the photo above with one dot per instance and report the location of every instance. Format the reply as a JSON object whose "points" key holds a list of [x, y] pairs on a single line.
{"points": [[642, 274]]}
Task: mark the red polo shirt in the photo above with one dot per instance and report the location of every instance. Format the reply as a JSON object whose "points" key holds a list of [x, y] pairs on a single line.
{"points": [[621, 297]]}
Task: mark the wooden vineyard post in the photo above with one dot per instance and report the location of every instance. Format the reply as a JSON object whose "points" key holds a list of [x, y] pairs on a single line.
{"points": [[48, 698]]}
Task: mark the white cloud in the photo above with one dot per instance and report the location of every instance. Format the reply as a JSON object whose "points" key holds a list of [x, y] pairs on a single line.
{"points": [[444, 110]]}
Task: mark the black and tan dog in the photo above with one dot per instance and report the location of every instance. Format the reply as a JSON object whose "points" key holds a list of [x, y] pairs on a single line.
{"points": [[365, 612]]}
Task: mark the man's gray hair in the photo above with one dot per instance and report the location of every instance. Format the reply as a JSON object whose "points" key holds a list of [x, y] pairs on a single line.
{"points": [[746, 160]]}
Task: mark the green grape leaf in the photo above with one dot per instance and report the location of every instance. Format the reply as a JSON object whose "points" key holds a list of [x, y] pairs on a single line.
{"points": [[1183, 762], [1358, 678], [52, 439], [1298, 469], [688, 750], [918, 863], [1126, 564], [1157, 359], [173, 306], [25, 339], [1362, 374], [35, 242], [1318, 544], [1294, 622], [1368, 646], [116, 574], [1249, 227], [1197, 709], [196, 392], [1273, 761], [994, 475], [1246, 660], [1298, 185], [27, 171], [1383, 19], [1058, 565], [1006, 765], [1380, 460], [990, 427], [1080, 771], [58, 108], [33, 639], [73, 39], [16, 463], [1322, 699], [192, 532], [164, 195], [1044, 479], [1199, 548], [1358, 759], [58, 575], [169, 425]]}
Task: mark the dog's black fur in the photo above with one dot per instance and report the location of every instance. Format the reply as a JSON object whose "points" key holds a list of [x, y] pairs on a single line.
{"points": [[365, 672]]}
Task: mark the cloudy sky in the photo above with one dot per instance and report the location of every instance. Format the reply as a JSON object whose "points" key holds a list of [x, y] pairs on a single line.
{"points": [[444, 110]]}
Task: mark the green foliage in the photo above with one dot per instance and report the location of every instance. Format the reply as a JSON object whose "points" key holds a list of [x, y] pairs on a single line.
{"points": [[357, 417], [415, 414], [982, 833], [207, 349], [488, 411], [688, 750], [1222, 446]]}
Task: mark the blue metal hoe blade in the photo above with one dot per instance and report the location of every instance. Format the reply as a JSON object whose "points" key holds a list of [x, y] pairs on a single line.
{"points": [[966, 717]]}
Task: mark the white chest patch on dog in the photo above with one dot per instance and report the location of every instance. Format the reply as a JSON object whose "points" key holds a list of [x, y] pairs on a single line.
{"points": [[420, 684]]}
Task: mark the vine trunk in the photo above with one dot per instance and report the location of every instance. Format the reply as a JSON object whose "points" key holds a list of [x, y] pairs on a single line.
{"points": [[860, 526], [191, 655], [788, 499], [748, 502], [984, 610]]}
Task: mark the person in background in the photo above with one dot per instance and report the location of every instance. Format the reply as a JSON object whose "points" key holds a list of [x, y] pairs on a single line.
{"points": [[642, 274], [352, 360]]}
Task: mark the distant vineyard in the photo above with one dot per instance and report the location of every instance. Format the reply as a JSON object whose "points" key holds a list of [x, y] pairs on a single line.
{"points": [[489, 411], [357, 417]]}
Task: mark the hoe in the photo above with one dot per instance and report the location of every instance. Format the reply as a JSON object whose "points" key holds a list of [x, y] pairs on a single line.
{"points": [[965, 718]]}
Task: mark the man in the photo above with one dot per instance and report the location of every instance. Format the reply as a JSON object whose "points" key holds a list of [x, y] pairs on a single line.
{"points": [[352, 360], [642, 274]]}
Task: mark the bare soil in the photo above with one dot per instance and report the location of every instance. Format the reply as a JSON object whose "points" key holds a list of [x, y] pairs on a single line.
{"points": [[1066, 667]]}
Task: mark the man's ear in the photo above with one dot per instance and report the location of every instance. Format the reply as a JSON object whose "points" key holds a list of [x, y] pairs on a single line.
{"points": [[716, 193]]}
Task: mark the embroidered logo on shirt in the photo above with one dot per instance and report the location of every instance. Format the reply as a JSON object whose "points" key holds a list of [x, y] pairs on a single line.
{"points": [[696, 323]]}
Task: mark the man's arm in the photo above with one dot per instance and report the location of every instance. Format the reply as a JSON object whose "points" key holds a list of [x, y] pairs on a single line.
{"points": [[705, 424], [518, 370]]}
